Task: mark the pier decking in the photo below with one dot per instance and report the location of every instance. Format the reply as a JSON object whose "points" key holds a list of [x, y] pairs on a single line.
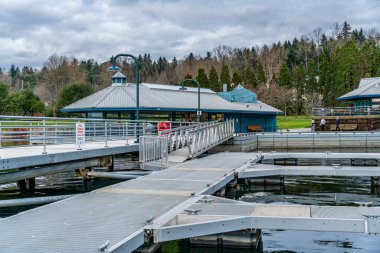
{"points": [[117, 214], [172, 204], [28, 156]]}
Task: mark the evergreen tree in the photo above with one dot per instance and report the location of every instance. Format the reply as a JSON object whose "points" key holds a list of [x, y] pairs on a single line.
{"points": [[346, 68], [299, 84], [260, 77], [3, 95], [14, 72], [213, 79], [237, 79], [250, 78], [325, 80], [202, 78], [225, 76], [346, 31], [284, 78], [311, 82]]}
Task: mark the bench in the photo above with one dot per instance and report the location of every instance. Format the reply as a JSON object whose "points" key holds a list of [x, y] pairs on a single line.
{"points": [[345, 127], [254, 129]]}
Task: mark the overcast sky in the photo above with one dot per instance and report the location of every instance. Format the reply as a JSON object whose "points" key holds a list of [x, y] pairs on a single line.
{"points": [[32, 30]]}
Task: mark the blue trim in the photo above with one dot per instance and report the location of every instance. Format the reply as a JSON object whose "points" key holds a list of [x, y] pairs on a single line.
{"points": [[358, 97], [152, 109]]}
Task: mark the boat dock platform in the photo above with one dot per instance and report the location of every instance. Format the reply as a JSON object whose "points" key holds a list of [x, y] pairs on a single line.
{"points": [[169, 204]]}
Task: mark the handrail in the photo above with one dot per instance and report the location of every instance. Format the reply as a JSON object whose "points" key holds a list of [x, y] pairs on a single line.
{"points": [[346, 111]]}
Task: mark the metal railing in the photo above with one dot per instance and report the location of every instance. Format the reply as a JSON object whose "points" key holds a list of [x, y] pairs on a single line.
{"points": [[335, 140], [153, 151], [204, 138], [197, 137], [44, 131], [179, 137], [346, 111]]}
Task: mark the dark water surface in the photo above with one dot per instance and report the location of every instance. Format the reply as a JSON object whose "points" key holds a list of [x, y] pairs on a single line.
{"points": [[333, 191]]}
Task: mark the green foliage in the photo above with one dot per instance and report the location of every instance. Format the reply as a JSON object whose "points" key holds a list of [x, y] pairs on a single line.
{"points": [[311, 79], [261, 78], [24, 103], [250, 78], [72, 93], [202, 78], [3, 95], [284, 78], [236, 78], [225, 76], [213, 79], [346, 68], [299, 84]]}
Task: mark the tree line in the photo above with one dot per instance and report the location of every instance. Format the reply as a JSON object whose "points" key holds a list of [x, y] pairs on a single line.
{"points": [[294, 75]]}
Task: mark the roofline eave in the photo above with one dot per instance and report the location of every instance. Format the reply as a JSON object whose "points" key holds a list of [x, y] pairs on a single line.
{"points": [[154, 109], [358, 97]]}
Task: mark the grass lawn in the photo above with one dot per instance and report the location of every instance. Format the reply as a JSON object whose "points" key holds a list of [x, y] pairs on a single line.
{"points": [[292, 122]]}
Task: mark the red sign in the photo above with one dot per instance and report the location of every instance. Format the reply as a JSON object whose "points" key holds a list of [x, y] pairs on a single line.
{"points": [[162, 126]]}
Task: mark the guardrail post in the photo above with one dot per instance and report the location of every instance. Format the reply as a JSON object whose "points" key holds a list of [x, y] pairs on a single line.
{"points": [[30, 133], [44, 129], [126, 133], [106, 134]]}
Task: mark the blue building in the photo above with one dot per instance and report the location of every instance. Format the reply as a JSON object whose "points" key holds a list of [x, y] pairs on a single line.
{"points": [[366, 95], [167, 102]]}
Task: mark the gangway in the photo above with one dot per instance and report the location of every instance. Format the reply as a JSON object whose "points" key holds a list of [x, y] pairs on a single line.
{"points": [[179, 144]]}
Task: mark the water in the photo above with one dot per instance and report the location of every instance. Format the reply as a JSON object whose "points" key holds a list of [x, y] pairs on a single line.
{"points": [[333, 191], [330, 191]]}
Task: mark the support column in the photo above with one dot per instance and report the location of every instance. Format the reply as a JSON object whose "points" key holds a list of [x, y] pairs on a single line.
{"points": [[375, 181], [31, 184], [111, 164], [21, 186]]}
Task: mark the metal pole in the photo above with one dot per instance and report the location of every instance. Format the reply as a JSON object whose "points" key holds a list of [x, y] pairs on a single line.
{"points": [[199, 95], [106, 134], [199, 102], [44, 129], [137, 99], [136, 60]]}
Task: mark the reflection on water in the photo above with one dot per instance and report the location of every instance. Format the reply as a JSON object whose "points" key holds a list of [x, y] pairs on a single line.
{"points": [[296, 190]]}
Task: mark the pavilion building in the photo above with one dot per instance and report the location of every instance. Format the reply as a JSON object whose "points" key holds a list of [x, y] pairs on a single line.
{"points": [[168, 102]]}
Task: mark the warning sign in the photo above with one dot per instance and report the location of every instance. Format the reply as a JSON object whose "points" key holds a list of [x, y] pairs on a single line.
{"points": [[162, 126], [80, 134]]}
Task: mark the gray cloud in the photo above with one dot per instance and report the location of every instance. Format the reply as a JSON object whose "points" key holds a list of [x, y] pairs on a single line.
{"points": [[32, 30]]}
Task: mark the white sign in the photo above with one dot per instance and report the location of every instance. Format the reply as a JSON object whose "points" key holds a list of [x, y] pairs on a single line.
{"points": [[199, 113], [80, 134]]}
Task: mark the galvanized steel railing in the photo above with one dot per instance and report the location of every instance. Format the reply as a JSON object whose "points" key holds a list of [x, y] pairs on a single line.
{"points": [[179, 137], [204, 138], [19, 131], [198, 138], [153, 151], [45, 131], [346, 111], [335, 140]]}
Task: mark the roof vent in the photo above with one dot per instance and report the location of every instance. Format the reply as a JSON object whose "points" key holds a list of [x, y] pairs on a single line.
{"points": [[119, 79], [224, 87]]}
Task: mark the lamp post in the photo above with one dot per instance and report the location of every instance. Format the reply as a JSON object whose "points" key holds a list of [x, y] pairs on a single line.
{"points": [[115, 68], [199, 113]]}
